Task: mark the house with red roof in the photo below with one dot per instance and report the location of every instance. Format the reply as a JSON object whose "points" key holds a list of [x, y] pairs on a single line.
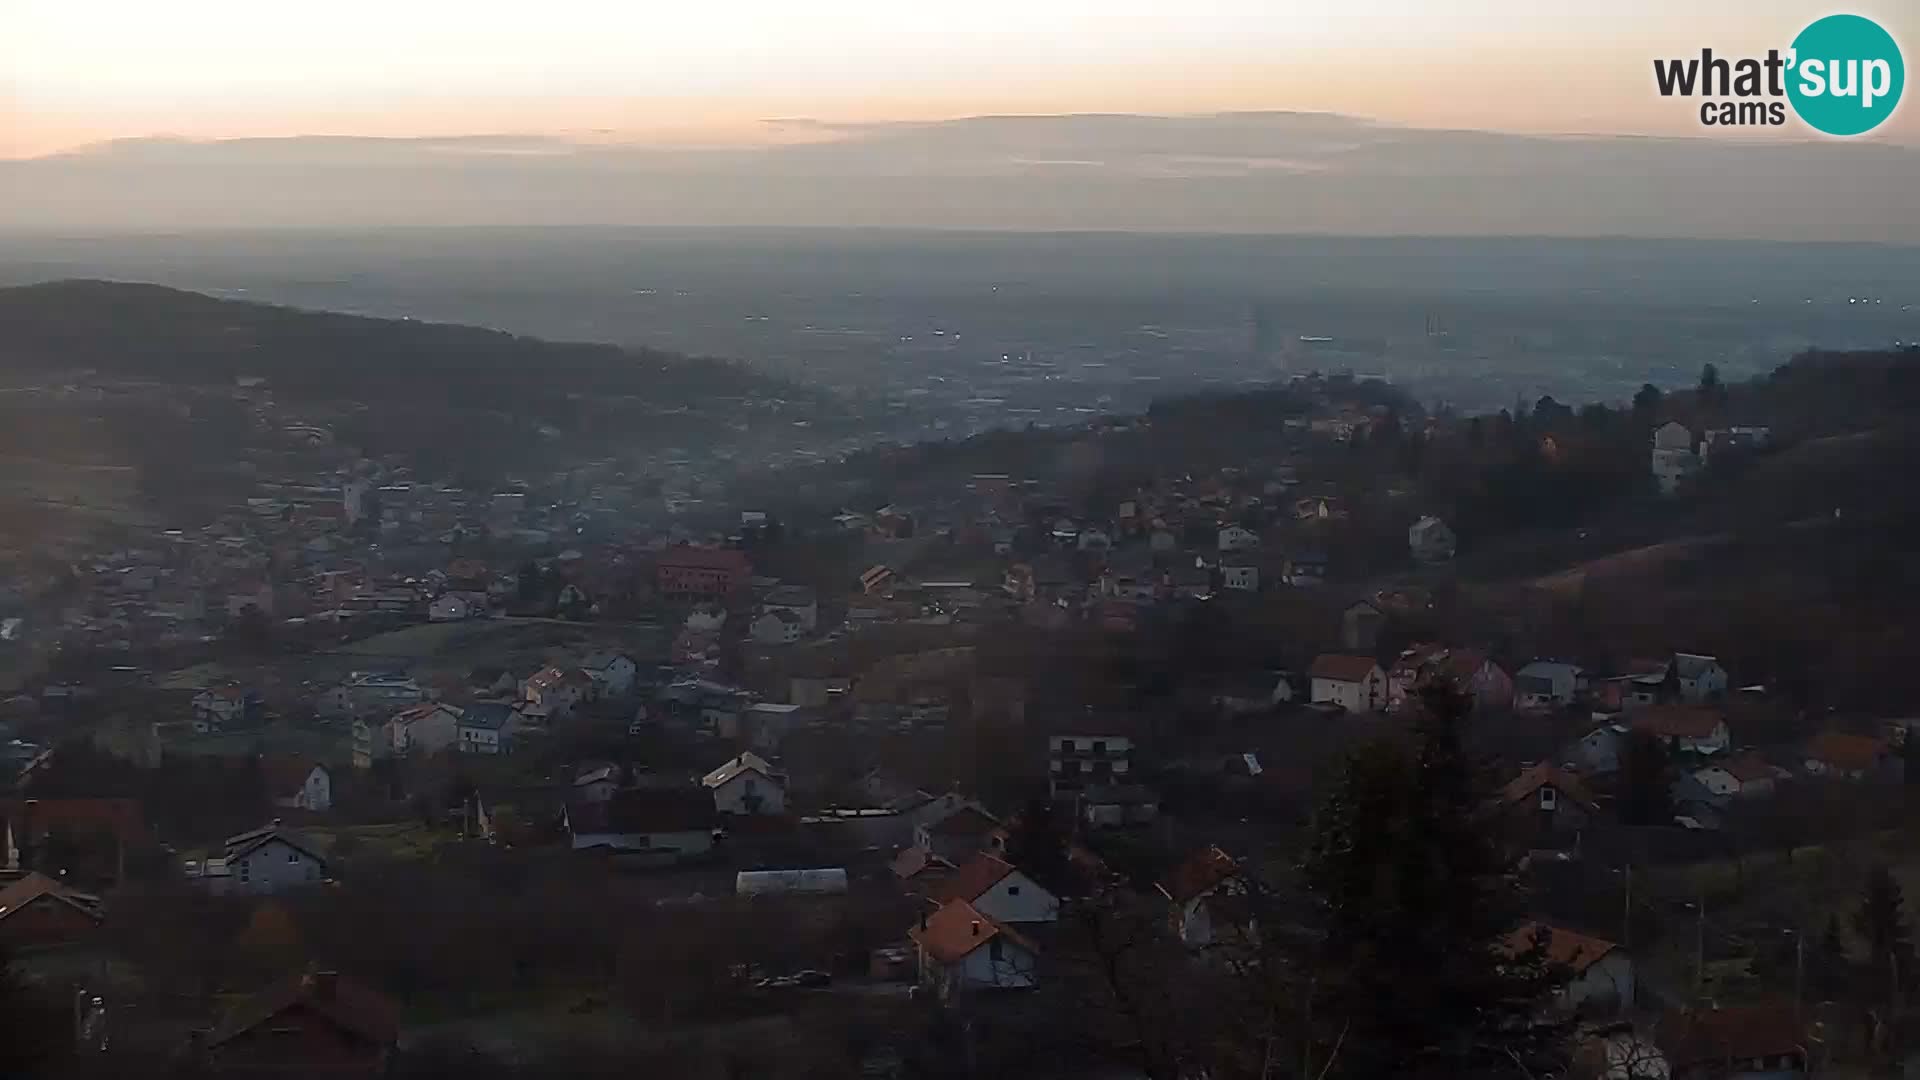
{"points": [[316, 1024], [1355, 683], [1000, 890], [1598, 973], [1697, 729], [1207, 899], [38, 910], [297, 783], [956, 836], [1843, 756], [1469, 669], [686, 570], [962, 949], [1544, 808]]}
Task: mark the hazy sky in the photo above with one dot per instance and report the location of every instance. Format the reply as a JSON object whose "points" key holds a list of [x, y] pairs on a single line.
{"points": [[77, 71]]}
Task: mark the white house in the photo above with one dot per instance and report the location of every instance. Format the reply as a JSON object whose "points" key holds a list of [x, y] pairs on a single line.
{"points": [[706, 619], [999, 890], [1548, 684], [218, 707], [424, 729], [747, 784], [451, 607], [797, 600], [1238, 538], [1430, 540], [1355, 683], [1673, 456], [1701, 678], [269, 860], [298, 784], [777, 626], [1240, 574], [1745, 776], [612, 673], [1206, 896], [962, 950], [482, 727], [559, 689]]}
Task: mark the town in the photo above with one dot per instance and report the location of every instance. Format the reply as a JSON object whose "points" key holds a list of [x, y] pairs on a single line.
{"points": [[1018, 753]]}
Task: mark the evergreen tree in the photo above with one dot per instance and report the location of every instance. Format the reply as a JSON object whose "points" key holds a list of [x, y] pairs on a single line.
{"points": [[1413, 971], [1646, 403], [1645, 797], [1712, 392]]}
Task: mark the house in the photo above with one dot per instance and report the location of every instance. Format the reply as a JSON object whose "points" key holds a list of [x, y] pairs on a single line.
{"points": [[220, 707], [1355, 683], [596, 784], [1548, 684], [1470, 670], [876, 579], [38, 910], [955, 836], [1598, 752], [1090, 754], [1240, 573], [962, 950], [999, 890], [558, 689], [797, 600], [1360, 626], [700, 571], [1673, 456], [1692, 728], [747, 785], [777, 627], [1695, 806], [1766, 1041], [706, 619], [919, 867], [677, 822], [1837, 755], [424, 729], [1237, 538], [1190, 582], [1430, 541], [452, 607], [482, 728], [1745, 776], [298, 784], [1700, 678], [316, 1024], [612, 673], [1207, 898], [1544, 805], [1598, 973], [266, 860], [1306, 567], [1114, 806]]}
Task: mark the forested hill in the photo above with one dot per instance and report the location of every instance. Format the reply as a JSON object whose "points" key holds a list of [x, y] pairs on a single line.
{"points": [[151, 332]]}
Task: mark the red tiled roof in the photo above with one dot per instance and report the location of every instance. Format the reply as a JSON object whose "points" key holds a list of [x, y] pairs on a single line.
{"points": [[979, 874], [1341, 668], [1544, 775], [1202, 872], [347, 1003], [1854, 753], [34, 886], [914, 861], [1738, 1032], [1678, 721], [1749, 767], [1565, 948], [957, 929]]}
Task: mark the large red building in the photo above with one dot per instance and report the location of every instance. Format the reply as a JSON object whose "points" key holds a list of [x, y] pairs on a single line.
{"points": [[37, 910], [317, 1024], [700, 571]]}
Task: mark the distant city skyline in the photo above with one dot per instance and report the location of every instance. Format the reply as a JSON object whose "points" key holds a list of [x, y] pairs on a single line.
{"points": [[78, 72]]}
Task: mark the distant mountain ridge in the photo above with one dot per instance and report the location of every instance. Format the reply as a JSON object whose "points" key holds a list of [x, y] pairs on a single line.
{"points": [[1251, 172]]}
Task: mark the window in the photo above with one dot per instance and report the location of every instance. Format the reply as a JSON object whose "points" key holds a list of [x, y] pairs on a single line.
{"points": [[1013, 890], [1548, 798], [1099, 746], [293, 856], [243, 869]]}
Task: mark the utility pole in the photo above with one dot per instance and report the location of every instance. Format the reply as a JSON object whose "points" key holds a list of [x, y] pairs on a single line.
{"points": [[1700, 946], [1626, 928], [1799, 974]]}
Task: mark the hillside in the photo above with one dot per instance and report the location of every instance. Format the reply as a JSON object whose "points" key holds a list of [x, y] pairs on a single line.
{"points": [[162, 366]]}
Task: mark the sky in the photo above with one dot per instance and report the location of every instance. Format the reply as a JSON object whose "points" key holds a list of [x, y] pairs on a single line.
{"points": [[76, 72]]}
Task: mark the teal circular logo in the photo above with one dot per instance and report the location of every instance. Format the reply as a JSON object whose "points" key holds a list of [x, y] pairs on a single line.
{"points": [[1846, 75]]}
